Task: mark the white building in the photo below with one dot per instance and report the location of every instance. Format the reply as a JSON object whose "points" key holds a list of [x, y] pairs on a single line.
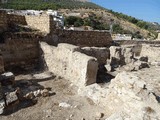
{"points": [[59, 19]]}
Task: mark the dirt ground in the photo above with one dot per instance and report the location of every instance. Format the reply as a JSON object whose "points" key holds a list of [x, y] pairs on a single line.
{"points": [[47, 108], [80, 108]]}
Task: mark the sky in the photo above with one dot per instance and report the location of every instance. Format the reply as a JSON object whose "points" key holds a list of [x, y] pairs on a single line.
{"points": [[147, 10]]}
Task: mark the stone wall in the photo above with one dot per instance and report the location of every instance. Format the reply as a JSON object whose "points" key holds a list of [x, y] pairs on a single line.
{"points": [[44, 23], [16, 19], [82, 38], [67, 62], [3, 21], [101, 53], [20, 51], [152, 52]]}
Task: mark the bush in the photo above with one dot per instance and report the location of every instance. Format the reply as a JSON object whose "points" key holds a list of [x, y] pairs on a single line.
{"points": [[72, 20]]}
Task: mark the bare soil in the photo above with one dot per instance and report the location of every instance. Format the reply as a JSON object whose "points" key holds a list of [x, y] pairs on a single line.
{"points": [[47, 108]]}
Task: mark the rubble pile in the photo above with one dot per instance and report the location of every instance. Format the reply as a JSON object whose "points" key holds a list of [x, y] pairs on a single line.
{"points": [[130, 97], [12, 92]]}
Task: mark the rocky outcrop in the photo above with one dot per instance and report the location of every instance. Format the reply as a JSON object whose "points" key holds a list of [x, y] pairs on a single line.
{"points": [[130, 97]]}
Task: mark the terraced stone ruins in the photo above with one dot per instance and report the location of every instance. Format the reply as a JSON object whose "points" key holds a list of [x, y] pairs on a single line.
{"points": [[53, 74]]}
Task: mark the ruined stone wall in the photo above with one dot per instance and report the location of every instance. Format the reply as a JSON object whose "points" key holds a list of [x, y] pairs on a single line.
{"points": [[20, 51], [83, 38], [67, 62], [16, 19], [101, 53], [3, 21], [151, 51], [42, 23]]}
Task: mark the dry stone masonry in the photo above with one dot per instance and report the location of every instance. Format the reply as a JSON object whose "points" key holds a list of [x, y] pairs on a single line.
{"points": [[83, 38]]}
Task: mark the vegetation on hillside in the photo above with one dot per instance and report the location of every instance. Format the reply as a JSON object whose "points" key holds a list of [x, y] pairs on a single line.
{"points": [[93, 20], [90, 21], [48, 4], [137, 22]]}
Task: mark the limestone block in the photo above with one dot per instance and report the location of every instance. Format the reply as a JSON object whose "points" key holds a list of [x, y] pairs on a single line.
{"points": [[152, 52], [128, 55], [2, 106], [11, 98], [120, 55], [85, 67]]}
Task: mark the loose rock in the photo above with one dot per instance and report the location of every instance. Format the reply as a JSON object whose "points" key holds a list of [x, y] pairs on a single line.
{"points": [[2, 106], [64, 105], [45, 93]]}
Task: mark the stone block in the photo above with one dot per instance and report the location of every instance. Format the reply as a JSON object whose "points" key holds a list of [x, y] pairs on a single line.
{"points": [[2, 106], [11, 98]]}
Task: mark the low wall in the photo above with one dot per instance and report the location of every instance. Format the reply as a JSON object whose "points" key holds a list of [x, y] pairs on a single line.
{"points": [[20, 51], [136, 42], [83, 38], [66, 61]]}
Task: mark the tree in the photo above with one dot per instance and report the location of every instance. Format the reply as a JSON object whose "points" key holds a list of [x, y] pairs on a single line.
{"points": [[72, 20]]}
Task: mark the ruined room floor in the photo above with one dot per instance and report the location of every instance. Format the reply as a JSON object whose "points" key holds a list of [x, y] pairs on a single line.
{"points": [[47, 108], [80, 108]]}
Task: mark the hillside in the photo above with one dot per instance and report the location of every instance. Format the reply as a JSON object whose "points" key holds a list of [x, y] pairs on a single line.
{"points": [[101, 19], [49, 4], [97, 15]]}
